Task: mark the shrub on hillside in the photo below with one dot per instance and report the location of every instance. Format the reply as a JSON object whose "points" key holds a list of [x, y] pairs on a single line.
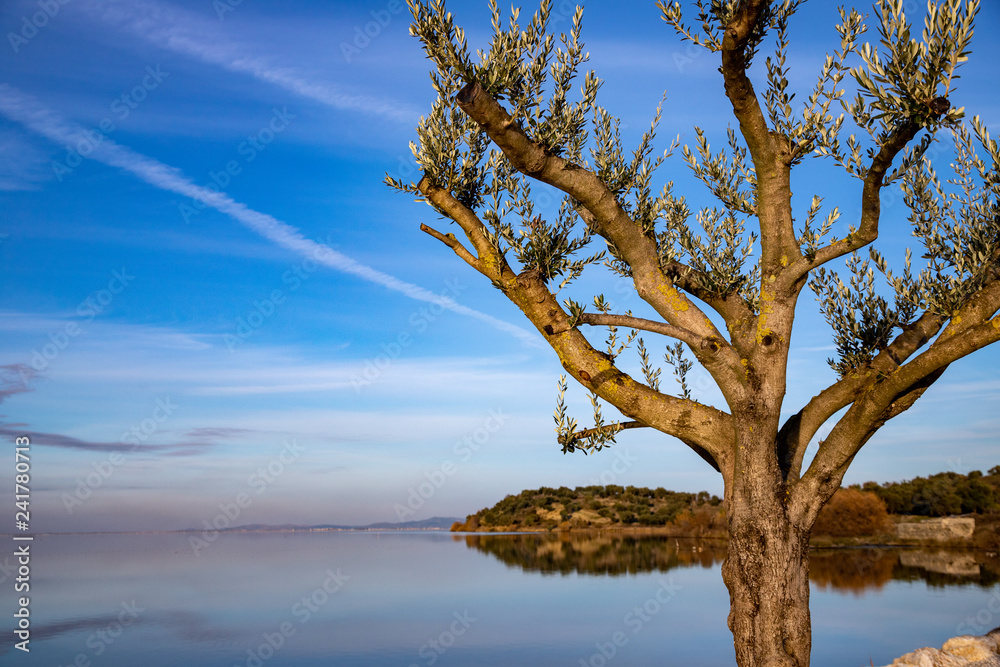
{"points": [[853, 513], [701, 521]]}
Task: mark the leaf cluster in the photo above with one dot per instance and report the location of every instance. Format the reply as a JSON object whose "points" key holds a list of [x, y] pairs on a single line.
{"points": [[958, 223], [861, 319], [717, 15]]}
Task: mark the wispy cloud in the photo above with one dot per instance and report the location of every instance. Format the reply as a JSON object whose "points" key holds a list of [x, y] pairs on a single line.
{"points": [[127, 356], [187, 626], [22, 166], [220, 432], [184, 448], [175, 29], [28, 111], [14, 379]]}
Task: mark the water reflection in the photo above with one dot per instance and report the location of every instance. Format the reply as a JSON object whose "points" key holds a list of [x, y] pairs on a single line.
{"points": [[846, 570], [402, 591], [569, 553]]}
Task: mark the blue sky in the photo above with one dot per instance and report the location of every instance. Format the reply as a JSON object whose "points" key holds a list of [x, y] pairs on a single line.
{"points": [[298, 349]]}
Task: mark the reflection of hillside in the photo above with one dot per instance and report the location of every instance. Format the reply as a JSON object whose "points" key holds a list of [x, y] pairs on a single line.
{"points": [[948, 567], [960, 564], [860, 569], [854, 570], [569, 553]]}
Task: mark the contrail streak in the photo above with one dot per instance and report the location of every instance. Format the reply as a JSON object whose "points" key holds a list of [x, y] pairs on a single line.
{"points": [[32, 114], [177, 30]]}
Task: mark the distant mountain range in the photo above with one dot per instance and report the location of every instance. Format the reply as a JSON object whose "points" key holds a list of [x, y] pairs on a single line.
{"points": [[434, 523]]}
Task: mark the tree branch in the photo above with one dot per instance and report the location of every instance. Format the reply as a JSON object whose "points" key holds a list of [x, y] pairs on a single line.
{"points": [[799, 430], [453, 243], [770, 150], [690, 280], [620, 426], [807, 505], [739, 88], [602, 319], [868, 227], [465, 217], [796, 433], [610, 220], [701, 427], [705, 429], [869, 412]]}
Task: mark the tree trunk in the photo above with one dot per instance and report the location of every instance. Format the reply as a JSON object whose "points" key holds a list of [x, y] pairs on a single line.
{"points": [[767, 574]]}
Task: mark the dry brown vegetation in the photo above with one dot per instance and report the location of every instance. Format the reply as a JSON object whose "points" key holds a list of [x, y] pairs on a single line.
{"points": [[853, 513]]}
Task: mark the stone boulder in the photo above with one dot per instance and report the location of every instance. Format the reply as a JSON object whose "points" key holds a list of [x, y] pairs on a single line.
{"points": [[964, 651], [945, 529]]}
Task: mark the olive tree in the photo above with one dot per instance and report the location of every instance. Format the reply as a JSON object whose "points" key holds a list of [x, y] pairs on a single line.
{"points": [[721, 283]]}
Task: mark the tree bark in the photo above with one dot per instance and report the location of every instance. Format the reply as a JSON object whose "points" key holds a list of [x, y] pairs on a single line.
{"points": [[767, 574], [767, 566]]}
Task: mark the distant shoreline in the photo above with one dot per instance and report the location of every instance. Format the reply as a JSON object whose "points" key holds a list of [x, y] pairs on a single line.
{"points": [[437, 523], [239, 530]]}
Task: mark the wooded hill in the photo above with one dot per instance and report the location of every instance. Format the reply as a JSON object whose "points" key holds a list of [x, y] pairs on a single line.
{"points": [[596, 506], [943, 494]]}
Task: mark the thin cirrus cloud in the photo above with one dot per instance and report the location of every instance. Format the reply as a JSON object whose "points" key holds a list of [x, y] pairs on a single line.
{"points": [[182, 32], [187, 448], [22, 166], [14, 379], [115, 354], [30, 113]]}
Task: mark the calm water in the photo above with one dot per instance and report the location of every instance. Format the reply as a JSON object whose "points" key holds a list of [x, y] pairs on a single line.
{"points": [[438, 599]]}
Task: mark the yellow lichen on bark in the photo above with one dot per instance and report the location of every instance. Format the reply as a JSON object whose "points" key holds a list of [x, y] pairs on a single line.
{"points": [[765, 309], [676, 301]]}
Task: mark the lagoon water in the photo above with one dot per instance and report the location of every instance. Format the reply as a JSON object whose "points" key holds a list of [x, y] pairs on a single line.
{"points": [[411, 598]]}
